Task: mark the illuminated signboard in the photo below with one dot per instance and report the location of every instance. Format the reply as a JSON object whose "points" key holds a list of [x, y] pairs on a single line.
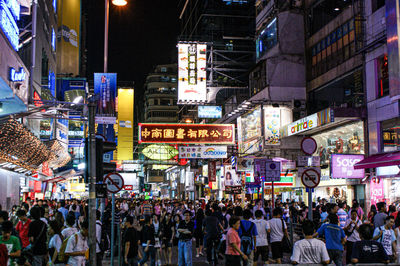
{"points": [[105, 85], [205, 111], [9, 15], [17, 76], [52, 83], [192, 59], [203, 152], [187, 133], [53, 39], [160, 152], [229, 2], [302, 125]]}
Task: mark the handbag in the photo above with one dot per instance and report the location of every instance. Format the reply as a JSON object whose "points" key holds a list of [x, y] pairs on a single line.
{"points": [[287, 247], [349, 233]]}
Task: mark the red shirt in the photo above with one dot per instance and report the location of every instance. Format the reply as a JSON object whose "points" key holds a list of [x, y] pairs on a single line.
{"points": [[22, 229], [232, 237]]}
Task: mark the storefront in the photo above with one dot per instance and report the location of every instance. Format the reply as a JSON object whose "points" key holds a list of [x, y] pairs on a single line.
{"points": [[339, 135]]}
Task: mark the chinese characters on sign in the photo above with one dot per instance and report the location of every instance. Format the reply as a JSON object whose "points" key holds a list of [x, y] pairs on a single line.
{"points": [[187, 133], [202, 152]]}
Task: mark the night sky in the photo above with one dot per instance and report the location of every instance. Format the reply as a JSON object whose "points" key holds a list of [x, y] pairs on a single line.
{"points": [[142, 34]]}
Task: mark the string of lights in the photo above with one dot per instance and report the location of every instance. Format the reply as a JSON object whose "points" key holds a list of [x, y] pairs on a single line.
{"points": [[59, 156]]}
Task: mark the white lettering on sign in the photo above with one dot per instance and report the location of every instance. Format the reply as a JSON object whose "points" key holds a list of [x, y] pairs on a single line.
{"points": [[346, 162], [17, 76]]}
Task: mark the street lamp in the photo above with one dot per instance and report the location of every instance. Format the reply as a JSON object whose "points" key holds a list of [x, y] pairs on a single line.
{"points": [[119, 2]]}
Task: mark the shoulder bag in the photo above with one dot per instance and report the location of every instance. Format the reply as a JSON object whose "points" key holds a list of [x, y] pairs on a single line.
{"points": [[287, 247]]}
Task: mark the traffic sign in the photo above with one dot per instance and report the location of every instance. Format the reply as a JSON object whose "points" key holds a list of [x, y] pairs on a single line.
{"points": [[114, 182], [308, 145], [272, 171], [308, 161], [311, 177]]}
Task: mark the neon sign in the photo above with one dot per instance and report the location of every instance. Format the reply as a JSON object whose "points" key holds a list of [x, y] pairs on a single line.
{"points": [[303, 124], [53, 39], [9, 14], [17, 76], [52, 83]]}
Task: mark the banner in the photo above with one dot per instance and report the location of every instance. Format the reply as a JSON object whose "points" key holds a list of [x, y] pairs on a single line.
{"points": [[187, 133], [125, 124], [377, 193], [203, 152], [192, 75], [206, 111], [105, 85], [342, 166], [231, 177], [212, 171], [68, 37]]}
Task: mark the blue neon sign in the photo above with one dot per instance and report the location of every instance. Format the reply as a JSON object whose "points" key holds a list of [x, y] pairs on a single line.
{"points": [[53, 39], [9, 14], [17, 76], [52, 83]]}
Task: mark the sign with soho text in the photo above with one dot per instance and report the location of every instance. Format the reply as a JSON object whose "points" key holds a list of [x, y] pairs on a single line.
{"points": [[342, 166], [187, 133]]}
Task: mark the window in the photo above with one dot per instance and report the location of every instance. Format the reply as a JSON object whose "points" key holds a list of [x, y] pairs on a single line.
{"points": [[383, 76], [376, 4], [391, 135], [267, 39]]}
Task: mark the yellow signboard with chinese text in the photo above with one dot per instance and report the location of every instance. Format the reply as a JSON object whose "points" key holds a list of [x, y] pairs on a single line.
{"points": [[125, 124]]}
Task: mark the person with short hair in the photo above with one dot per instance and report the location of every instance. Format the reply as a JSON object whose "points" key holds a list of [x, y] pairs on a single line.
{"points": [[23, 227], [11, 242], [55, 242], [335, 238], [148, 242], [261, 240], [309, 250], [342, 215], [351, 229], [70, 229], [368, 250], [277, 229], [248, 234], [131, 240], [385, 235], [379, 218], [185, 229], [233, 253], [77, 245], [37, 234]]}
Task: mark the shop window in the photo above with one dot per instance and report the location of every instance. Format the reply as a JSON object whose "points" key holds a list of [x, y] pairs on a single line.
{"points": [[376, 4], [383, 76], [267, 39], [391, 135]]}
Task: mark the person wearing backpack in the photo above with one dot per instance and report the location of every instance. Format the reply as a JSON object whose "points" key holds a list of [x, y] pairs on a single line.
{"points": [[77, 246], [248, 236], [277, 229], [37, 234]]}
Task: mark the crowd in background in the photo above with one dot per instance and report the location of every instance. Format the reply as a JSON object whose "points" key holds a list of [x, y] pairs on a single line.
{"points": [[49, 232]]}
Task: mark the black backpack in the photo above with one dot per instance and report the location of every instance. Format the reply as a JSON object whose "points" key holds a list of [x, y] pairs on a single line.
{"points": [[246, 240], [104, 243]]}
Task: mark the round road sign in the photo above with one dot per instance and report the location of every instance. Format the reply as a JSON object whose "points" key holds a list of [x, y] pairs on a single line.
{"points": [[310, 178], [114, 182], [308, 145]]}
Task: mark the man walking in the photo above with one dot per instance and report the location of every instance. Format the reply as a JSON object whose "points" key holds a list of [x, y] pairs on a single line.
{"points": [[261, 240], [212, 229], [185, 229], [248, 237]]}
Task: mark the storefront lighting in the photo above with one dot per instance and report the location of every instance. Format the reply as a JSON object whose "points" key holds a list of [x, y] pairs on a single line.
{"points": [[188, 120], [119, 2], [77, 99], [81, 166]]}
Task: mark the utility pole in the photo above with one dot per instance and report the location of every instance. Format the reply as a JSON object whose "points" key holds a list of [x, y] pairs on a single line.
{"points": [[92, 182]]}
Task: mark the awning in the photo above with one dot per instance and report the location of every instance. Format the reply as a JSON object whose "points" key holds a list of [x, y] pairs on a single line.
{"points": [[379, 160]]}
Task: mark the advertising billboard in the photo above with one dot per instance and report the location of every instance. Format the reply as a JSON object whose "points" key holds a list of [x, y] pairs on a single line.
{"points": [[274, 118], [105, 85], [125, 124], [161, 152], [249, 132], [187, 133], [206, 111], [231, 177], [342, 166], [9, 15], [68, 37], [192, 62], [203, 152], [212, 171], [62, 130]]}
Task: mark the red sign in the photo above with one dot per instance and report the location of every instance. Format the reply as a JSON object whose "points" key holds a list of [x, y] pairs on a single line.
{"points": [[128, 187], [187, 133], [46, 169], [212, 171], [37, 186]]}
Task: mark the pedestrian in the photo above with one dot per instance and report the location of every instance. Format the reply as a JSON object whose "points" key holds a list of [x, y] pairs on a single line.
{"points": [[351, 231], [62, 209], [248, 236], [77, 245], [12, 243], [309, 250], [23, 227], [70, 229], [99, 228], [385, 235], [261, 240], [212, 236], [379, 218], [131, 240], [233, 253], [167, 228], [37, 234], [277, 229], [148, 242], [324, 213], [334, 237], [54, 243], [157, 231], [368, 250], [198, 232], [342, 214], [185, 229]]}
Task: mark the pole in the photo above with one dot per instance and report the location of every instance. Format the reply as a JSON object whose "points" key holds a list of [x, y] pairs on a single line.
{"points": [[92, 183], [112, 228], [106, 21], [310, 204], [33, 50], [262, 192], [273, 196]]}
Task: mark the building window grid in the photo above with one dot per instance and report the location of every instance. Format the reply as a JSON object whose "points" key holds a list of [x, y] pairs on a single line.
{"points": [[334, 49]]}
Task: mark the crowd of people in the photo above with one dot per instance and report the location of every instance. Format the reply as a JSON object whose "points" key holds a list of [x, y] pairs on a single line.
{"points": [[49, 232]]}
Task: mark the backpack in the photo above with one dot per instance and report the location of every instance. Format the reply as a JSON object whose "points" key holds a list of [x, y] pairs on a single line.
{"points": [[246, 240], [104, 243], [61, 254]]}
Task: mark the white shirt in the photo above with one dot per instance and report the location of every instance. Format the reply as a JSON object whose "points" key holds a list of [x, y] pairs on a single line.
{"points": [[309, 251], [262, 227], [69, 231], [98, 235], [354, 237], [55, 242], [73, 246], [275, 224], [124, 206]]}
